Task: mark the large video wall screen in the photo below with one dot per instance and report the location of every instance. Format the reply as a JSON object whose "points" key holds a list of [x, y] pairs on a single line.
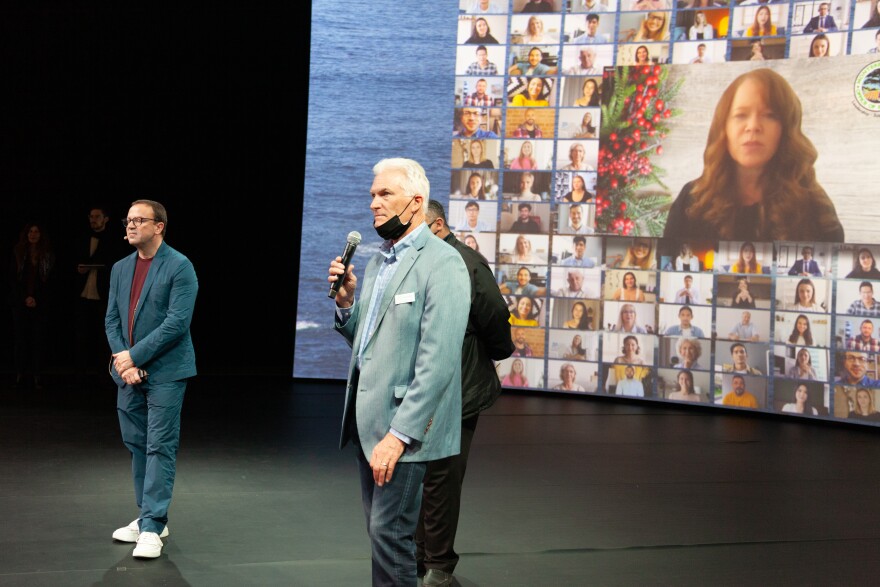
{"points": [[642, 249], [640, 246]]}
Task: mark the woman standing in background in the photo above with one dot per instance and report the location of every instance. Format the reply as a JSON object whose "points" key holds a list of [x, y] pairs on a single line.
{"points": [[30, 298]]}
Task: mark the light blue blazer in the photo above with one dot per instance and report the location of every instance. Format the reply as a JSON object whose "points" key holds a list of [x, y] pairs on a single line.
{"points": [[410, 377], [163, 346]]}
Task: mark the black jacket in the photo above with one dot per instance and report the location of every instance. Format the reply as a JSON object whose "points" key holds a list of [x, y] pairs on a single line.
{"points": [[110, 249], [487, 336]]}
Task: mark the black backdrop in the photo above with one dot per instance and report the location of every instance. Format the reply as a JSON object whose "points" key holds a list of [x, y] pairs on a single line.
{"points": [[203, 109]]}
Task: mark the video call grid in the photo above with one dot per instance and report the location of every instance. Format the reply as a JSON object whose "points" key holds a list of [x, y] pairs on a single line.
{"points": [[499, 108], [767, 350]]}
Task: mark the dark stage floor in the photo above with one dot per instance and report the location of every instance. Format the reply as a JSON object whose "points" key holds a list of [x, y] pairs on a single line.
{"points": [[560, 491]]}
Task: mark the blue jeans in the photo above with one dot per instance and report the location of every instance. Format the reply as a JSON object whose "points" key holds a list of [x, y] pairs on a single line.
{"points": [[392, 513], [149, 418]]}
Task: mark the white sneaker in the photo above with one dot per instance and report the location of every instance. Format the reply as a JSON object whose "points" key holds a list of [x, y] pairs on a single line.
{"points": [[148, 546], [130, 533]]}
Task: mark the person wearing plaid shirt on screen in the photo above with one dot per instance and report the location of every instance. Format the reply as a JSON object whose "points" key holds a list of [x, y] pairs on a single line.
{"points": [[866, 305], [864, 342], [529, 128], [482, 66]]}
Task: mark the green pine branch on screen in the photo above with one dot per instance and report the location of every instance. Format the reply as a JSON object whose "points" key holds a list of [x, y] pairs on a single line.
{"points": [[632, 132]]}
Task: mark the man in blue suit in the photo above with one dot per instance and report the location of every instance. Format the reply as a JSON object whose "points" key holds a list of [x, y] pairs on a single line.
{"points": [[822, 23], [403, 398], [807, 265], [149, 311]]}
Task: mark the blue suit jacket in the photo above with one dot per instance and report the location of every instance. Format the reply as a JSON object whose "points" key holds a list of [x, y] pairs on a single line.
{"points": [[410, 377], [163, 346], [830, 25], [812, 268]]}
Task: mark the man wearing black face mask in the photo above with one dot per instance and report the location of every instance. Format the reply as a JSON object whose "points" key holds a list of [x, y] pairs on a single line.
{"points": [[403, 399]]}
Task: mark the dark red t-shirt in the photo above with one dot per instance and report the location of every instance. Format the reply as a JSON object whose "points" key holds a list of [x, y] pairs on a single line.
{"points": [[141, 268]]}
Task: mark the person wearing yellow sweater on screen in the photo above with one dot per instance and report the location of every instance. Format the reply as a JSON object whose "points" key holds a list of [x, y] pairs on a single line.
{"points": [[739, 397]]}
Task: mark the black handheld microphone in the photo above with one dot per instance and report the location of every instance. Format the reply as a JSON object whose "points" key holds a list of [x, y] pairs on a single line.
{"points": [[351, 244]]}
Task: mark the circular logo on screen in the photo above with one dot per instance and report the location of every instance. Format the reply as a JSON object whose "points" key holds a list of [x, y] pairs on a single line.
{"points": [[867, 87]]}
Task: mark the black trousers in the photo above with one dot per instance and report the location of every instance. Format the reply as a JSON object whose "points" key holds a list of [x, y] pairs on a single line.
{"points": [[31, 328], [441, 502], [92, 350]]}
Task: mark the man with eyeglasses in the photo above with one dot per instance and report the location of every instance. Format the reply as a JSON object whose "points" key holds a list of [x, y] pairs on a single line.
{"points": [[150, 308], [855, 370], [469, 125]]}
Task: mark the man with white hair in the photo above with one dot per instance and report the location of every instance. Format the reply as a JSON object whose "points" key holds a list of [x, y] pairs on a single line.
{"points": [[585, 65], [403, 398], [575, 287]]}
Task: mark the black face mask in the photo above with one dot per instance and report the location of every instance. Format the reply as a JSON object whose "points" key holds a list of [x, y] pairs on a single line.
{"points": [[393, 228]]}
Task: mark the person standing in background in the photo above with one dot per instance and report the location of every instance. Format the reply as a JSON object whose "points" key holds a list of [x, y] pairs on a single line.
{"points": [[486, 339], [95, 258], [33, 261]]}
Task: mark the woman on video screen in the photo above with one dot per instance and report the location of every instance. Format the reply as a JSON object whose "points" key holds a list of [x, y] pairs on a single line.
{"points": [[476, 156], [590, 94], [516, 377], [867, 268], [758, 180]]}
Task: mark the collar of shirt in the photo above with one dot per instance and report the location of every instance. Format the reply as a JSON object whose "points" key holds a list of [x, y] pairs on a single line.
{"points": [[394, 251]]}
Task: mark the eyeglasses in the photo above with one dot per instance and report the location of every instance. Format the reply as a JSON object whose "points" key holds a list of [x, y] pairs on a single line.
{"points": [[853, 359], [138, 220], [656, 18]]}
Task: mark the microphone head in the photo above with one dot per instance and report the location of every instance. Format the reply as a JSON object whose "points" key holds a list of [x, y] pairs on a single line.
{"points": [[354, 238]]}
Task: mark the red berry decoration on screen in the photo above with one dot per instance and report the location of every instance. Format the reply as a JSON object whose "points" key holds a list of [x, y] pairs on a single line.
{"points": [[631, 197]]}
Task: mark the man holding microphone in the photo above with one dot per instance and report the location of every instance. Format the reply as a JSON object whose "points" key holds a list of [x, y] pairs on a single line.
{"points": [[403, 397]]}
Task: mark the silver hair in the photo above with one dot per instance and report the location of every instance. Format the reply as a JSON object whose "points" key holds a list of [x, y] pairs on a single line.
{"points": [[415, 182]]}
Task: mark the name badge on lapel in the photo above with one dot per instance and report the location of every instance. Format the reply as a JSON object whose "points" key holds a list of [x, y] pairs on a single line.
{"points": [[405, 298]]}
